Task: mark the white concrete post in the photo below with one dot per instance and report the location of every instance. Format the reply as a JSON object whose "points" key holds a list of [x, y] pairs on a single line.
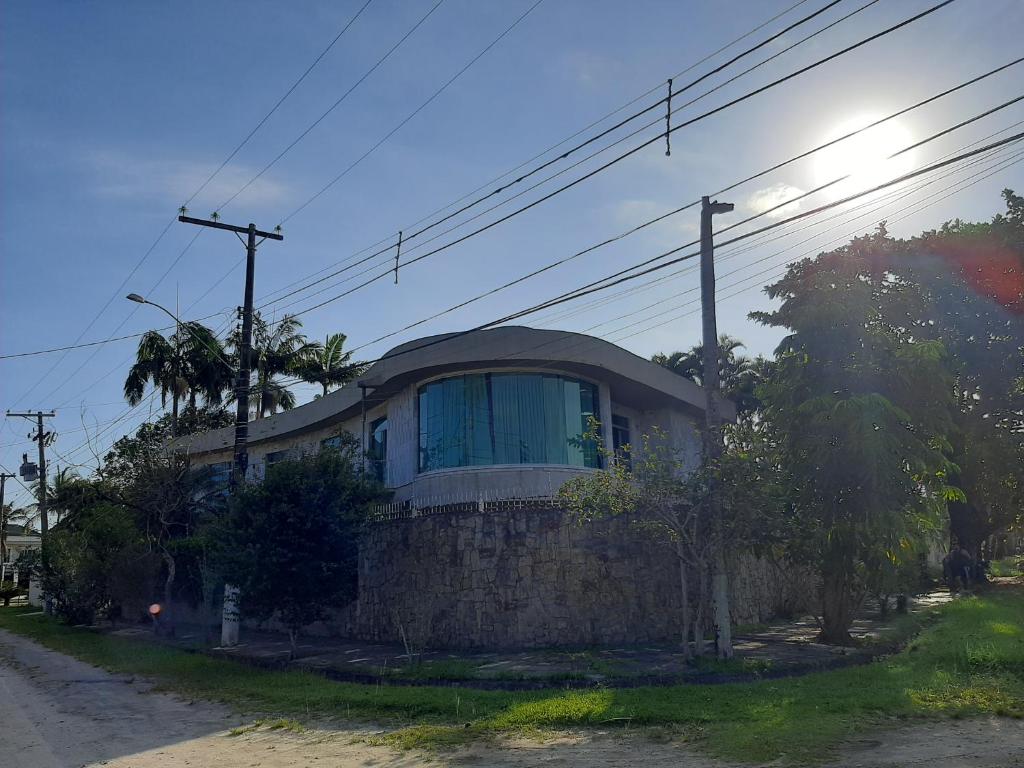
{"points": [[230, 617], [35, 592]]}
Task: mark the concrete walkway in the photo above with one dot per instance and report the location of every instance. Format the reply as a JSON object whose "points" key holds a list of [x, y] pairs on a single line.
{"points": [[775, 650]]}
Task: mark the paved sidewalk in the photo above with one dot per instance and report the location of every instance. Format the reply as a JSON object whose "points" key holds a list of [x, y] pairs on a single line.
{"points": [[775, 650]]}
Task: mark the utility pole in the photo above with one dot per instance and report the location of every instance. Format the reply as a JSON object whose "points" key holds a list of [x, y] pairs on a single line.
{"points": [[3, 526], [241, 457], [713, 425], [41, 437]]}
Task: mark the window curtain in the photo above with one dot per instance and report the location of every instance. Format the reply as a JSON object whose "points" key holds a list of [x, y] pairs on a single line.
{"points": [[506, 418]]}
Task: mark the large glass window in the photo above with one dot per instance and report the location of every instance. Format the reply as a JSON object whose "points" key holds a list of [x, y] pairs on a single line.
{"points": [[506, 418]]}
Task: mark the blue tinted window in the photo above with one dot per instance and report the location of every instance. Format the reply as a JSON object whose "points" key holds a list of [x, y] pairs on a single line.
{"points": [[506, 418]]}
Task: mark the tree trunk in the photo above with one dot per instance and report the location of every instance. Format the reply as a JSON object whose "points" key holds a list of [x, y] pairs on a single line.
{"points": [[174, 412], [292, 636], [836, 599], [720, 601], [165, 613], [699, 627], [684, 602]]}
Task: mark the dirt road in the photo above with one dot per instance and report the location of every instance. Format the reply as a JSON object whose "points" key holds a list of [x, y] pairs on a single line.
{"points": [[57, 712]]}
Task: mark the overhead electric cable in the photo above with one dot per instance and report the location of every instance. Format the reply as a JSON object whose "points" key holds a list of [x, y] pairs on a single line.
{"points": [[117, 293], [634, 150], [574, 149], [390, 244], [555, 146], [331, 108], [628, 274], [278, 103]]}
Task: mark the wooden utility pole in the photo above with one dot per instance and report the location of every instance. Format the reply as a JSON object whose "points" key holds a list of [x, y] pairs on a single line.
{"points": [[41, 437], [713, 425], [3, 526], [241, 458]]}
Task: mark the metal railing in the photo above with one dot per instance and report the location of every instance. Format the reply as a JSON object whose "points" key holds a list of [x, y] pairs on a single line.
{"points": [[448, 504]]}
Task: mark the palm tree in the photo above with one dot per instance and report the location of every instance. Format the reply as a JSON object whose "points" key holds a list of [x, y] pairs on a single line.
{"points": [[157, 362], [191, 362], [738, 374], [275, 350], [328, 364], [209, 370]]}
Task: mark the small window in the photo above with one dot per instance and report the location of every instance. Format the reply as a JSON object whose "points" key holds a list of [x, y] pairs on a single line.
{"points": [[220, 475], [276, 457], [378, 448], [331, 442], [621, 439]]}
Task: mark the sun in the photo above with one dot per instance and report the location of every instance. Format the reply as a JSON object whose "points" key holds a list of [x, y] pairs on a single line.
{"points": [[866, 158]]}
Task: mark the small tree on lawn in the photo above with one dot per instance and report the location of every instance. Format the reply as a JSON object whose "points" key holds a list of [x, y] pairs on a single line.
{"points": [[656, 493], [291, 542]]}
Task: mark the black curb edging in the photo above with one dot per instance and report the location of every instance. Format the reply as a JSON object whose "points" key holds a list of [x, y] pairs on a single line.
{"points": [[853, 659]]}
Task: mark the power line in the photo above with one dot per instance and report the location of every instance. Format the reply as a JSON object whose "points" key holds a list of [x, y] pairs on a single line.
{"points": [[555, 146], [331, 108], [633, 151], [729, 254], [645, 224], [624, 276], [76, 345], [620, 236], [278, 103], [572, 150], [167, 227], [776, 271], [415, 112]]}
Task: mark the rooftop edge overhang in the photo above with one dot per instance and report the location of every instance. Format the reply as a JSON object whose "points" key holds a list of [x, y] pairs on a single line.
{"points": [[634, 381]]}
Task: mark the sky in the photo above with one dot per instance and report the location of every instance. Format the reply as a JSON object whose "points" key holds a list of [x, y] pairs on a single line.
{"points": [[113, 114]]}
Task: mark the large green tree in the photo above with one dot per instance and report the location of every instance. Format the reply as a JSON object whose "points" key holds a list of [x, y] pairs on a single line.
{"points": [[291, 542], [862, 408], [971, 276]]}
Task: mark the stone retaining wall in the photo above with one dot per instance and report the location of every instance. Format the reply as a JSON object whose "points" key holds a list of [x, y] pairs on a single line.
{"points": [[533, 578]]}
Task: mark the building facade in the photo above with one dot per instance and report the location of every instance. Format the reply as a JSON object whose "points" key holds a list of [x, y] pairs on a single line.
{"points": [[18, 540], [474, 434], [485, 415]]}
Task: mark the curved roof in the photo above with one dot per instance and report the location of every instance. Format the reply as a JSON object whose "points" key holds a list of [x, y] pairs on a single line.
{"points": [[630, 376]]}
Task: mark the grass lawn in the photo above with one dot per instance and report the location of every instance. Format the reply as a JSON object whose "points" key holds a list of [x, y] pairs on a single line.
{"points": [[970, 661]]}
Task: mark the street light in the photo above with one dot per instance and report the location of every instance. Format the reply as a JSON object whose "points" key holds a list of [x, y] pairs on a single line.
{"points": [[140, 300], [177, 354], [177, 321]]}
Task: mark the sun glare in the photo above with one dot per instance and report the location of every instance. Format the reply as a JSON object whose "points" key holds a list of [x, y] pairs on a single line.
{"points": [[866, 157]]}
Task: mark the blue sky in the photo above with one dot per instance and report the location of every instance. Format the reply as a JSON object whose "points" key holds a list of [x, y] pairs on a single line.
{"points": [[113, 113]]}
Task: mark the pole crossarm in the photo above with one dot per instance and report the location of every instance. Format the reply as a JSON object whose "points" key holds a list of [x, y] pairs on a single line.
{"points": [[230, 227], [243, 383], [33, 414]]}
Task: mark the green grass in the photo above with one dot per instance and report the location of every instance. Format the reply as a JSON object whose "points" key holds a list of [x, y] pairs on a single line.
{"points": [[732, 666], [1008, 566], [969, 661]]}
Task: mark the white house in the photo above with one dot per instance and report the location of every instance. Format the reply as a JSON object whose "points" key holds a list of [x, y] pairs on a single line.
{"points": [[462, 417]]}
